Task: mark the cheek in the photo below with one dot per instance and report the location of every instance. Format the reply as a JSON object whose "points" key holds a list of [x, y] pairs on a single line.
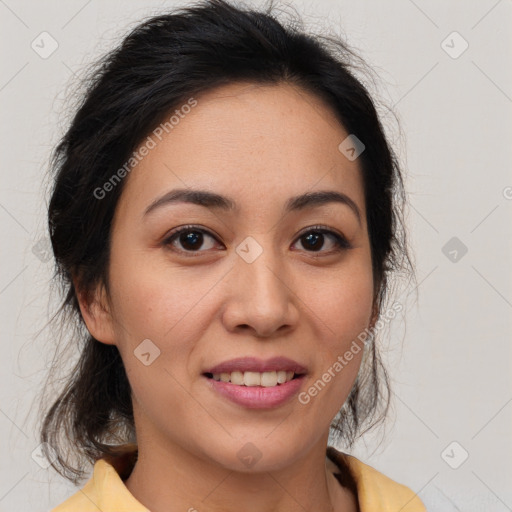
{"points": [[341, 306], [341, 302], [170, 307], [155, 300], [160, 314]]}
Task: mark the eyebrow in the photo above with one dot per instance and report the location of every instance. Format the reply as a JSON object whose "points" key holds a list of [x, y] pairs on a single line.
{"points": [[216, 201]]}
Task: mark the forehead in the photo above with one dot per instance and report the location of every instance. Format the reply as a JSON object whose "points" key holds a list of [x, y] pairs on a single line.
{"points": [[253, 142]]}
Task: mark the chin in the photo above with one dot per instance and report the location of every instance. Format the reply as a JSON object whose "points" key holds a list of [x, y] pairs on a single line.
{"points": [[255, 454]]}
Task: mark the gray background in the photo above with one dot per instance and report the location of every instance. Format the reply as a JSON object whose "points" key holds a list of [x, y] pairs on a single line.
{"points": [[451, 360]]}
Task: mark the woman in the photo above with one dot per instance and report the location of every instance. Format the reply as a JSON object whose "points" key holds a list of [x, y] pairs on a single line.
{"points": [[225, 217]]}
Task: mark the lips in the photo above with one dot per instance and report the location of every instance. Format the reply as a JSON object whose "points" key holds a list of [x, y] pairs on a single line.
{"points": [[252, 364]]}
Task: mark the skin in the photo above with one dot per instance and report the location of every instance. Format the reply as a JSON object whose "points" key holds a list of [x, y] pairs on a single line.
{"points": [[259, 145]]}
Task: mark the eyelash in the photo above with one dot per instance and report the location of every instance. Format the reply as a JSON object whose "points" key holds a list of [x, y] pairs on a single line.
{"points": [[340, 241]]}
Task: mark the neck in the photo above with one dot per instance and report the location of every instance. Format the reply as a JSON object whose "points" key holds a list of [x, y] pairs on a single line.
{"points": [[173, 479]]}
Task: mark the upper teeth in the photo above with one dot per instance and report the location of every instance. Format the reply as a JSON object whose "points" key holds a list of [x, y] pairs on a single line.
{"points": [[265, 379]]}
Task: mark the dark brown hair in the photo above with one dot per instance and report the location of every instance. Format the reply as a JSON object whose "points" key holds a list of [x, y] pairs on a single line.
{"points": [[159, 65]]}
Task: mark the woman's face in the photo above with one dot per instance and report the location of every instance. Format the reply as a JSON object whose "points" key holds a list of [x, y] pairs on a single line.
{"points": [[255, 280]]}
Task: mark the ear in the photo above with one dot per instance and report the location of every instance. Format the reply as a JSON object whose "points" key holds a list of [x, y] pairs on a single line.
{"points": [[96, 313]]}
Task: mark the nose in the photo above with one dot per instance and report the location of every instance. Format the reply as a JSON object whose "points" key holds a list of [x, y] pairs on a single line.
{"points": [[261, 296]]}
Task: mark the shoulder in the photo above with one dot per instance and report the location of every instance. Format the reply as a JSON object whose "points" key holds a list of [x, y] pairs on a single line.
{"points": [[86, 498], [105, 490], [376, 491]]}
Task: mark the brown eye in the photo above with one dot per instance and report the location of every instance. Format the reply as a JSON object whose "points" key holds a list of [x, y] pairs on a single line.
{"points": [[314, 240], [190, 239]]}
